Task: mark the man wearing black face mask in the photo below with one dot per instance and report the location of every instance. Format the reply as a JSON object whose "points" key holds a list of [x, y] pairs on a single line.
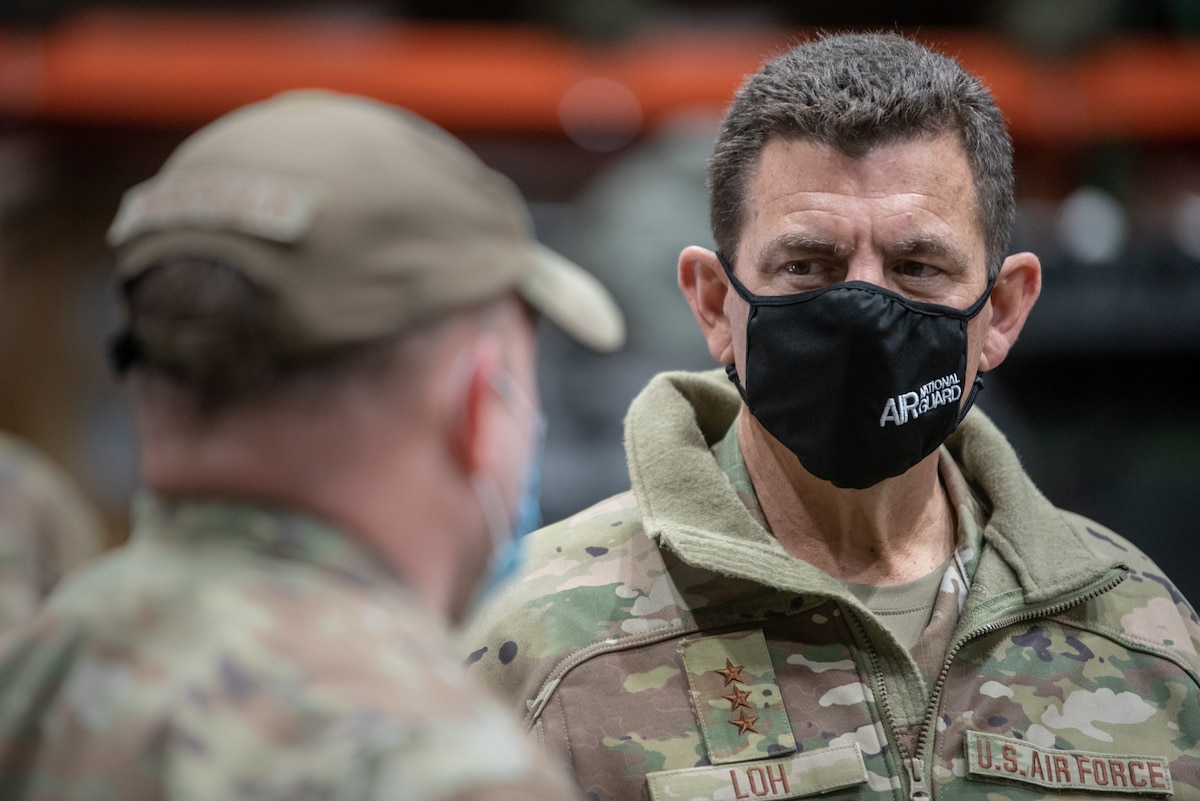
{"points": [[831, 574]]}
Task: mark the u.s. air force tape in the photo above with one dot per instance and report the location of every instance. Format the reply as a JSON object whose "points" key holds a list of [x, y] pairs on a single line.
{"points": [[1003, 759], [793, 776]]}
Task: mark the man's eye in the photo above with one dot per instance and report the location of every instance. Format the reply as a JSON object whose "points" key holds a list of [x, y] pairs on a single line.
{"points": [[914, 269], [799, 268]]}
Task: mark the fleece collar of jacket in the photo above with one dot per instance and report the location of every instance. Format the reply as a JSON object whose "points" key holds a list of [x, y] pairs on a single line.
{"points": [[688, 504]]}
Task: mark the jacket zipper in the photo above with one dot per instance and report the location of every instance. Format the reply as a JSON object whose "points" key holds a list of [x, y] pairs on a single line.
{"points": [[918, 783]]}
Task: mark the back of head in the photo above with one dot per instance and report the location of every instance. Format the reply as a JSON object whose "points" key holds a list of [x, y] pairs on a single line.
{"points": [[856, 92], [305, 230], [202, 337]]}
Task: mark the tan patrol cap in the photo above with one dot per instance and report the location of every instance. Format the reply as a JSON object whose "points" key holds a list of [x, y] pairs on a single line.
{"points": [[359, 217]]}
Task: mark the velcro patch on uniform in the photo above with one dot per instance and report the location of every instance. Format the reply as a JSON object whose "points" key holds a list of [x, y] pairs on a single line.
{"points": [[264, 205], [1003, 759], [735, 697], [792, 776]]}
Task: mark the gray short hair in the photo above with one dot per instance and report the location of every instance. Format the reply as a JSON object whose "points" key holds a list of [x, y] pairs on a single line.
{"points": [[856, 92]]}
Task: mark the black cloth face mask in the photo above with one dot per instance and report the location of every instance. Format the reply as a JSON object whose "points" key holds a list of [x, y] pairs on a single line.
{"points": [[860, 383]]}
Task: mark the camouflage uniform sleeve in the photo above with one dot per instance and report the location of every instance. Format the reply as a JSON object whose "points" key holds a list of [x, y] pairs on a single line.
{"points": [[47, 529], [497, 632], [187, 670], [1151, 609], [589, 581], [497, 768], [475, 756]]}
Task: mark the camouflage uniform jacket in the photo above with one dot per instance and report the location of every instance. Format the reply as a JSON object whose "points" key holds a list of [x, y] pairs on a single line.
{"points": [[235, 652], [47, 529], [662, 642]]}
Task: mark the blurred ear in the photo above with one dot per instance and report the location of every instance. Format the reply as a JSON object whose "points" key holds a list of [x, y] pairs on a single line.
{"points": [[472, 394], [704, 285], [1016, 290]]}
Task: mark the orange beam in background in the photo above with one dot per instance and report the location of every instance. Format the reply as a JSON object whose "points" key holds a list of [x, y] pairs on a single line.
{"points": [[172, 69]]}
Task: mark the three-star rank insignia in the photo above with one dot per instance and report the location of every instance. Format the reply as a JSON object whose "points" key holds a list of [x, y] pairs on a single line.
{"points": [[737, 702], [738, 698]]}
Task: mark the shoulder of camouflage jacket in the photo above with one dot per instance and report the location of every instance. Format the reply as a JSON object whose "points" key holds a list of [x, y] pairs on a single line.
{"points": [[596, 582], [224, 675], [40, 497], [1146, 609], [47, 529]]}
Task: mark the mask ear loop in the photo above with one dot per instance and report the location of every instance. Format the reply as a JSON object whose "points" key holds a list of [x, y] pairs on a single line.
{"points": [[977, 384], [731, 368], [485, 489], [731, 372], [529, 515], [488, 495], [506, 531], [738, 286], [504, 540], [976, 387]]}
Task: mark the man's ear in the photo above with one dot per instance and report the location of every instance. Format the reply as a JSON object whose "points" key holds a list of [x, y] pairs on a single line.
{"points": [[1016, 289], [704, 285], [472, 391]]}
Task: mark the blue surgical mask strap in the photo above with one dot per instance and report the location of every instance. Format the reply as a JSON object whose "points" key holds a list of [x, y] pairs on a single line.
{"points": [[507, 534]]}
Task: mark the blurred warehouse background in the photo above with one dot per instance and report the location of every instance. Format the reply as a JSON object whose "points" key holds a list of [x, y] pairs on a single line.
{"points": [[603, 113]]}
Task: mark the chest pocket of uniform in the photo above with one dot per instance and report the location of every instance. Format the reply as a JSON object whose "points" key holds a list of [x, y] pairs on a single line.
{"points": [[751, 748], [735, 698]]}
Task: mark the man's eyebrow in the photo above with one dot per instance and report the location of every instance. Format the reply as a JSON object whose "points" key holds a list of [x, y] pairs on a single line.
{"points": [[931, 246], [798, 244]]}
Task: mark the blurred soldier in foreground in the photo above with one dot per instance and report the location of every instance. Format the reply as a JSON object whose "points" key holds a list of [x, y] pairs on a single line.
{"points": [[330, 352], [48, 528], [832, 574]]}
